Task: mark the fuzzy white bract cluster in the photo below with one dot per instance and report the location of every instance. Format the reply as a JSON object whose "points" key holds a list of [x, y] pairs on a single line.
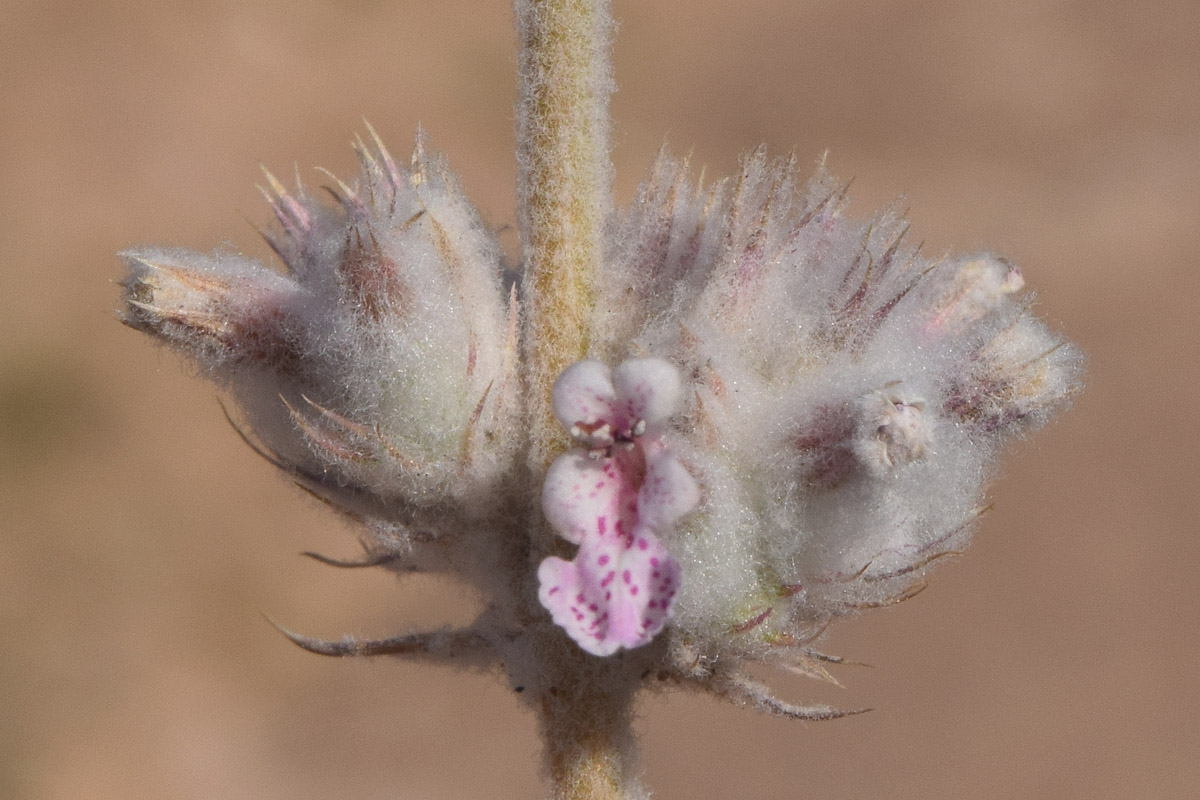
{"points": [[843, 397], [383, 358]]}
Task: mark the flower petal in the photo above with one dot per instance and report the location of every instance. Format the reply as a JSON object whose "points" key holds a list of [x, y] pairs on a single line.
{"points": [[616, 593], [668, 491], [648, 389], [589, 497], [584, 394]]}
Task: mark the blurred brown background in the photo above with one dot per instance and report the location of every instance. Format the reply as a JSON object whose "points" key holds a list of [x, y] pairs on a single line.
{"points": [[142, 543]]}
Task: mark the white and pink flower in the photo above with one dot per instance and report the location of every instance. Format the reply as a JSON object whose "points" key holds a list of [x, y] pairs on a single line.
{"points": [[613, 497]]}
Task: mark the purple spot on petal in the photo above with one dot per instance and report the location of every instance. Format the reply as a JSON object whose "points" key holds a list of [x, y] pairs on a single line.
{"points": [[602, 560], [643, 544], [626, 576]]}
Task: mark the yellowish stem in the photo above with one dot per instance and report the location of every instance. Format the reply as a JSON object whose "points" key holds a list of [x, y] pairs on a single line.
{"points": [[564, 185], [587, 728], [585, 767]]}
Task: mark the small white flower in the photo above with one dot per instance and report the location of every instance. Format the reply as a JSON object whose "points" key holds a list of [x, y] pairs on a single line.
{"points": [[613, 498]]}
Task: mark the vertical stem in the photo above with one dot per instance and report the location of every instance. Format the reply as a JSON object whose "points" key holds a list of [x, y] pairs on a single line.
{"points": [[564, 196], [564, 186], [586, 725]]}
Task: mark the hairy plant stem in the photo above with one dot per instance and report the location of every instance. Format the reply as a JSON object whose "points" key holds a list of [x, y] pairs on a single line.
{"points": [[586, 725], [564, 195], [564, 187]]}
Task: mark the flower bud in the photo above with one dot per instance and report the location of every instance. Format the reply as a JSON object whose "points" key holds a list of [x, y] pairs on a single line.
{"points": [[893, 429], [971, 289], [223, 311]]}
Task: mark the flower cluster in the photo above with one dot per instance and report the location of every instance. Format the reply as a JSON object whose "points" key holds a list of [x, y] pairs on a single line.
{"points": [[685, 437], [799, 422]]}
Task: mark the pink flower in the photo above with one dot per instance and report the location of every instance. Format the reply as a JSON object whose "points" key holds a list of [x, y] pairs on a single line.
{"points": [[611, 497]]}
